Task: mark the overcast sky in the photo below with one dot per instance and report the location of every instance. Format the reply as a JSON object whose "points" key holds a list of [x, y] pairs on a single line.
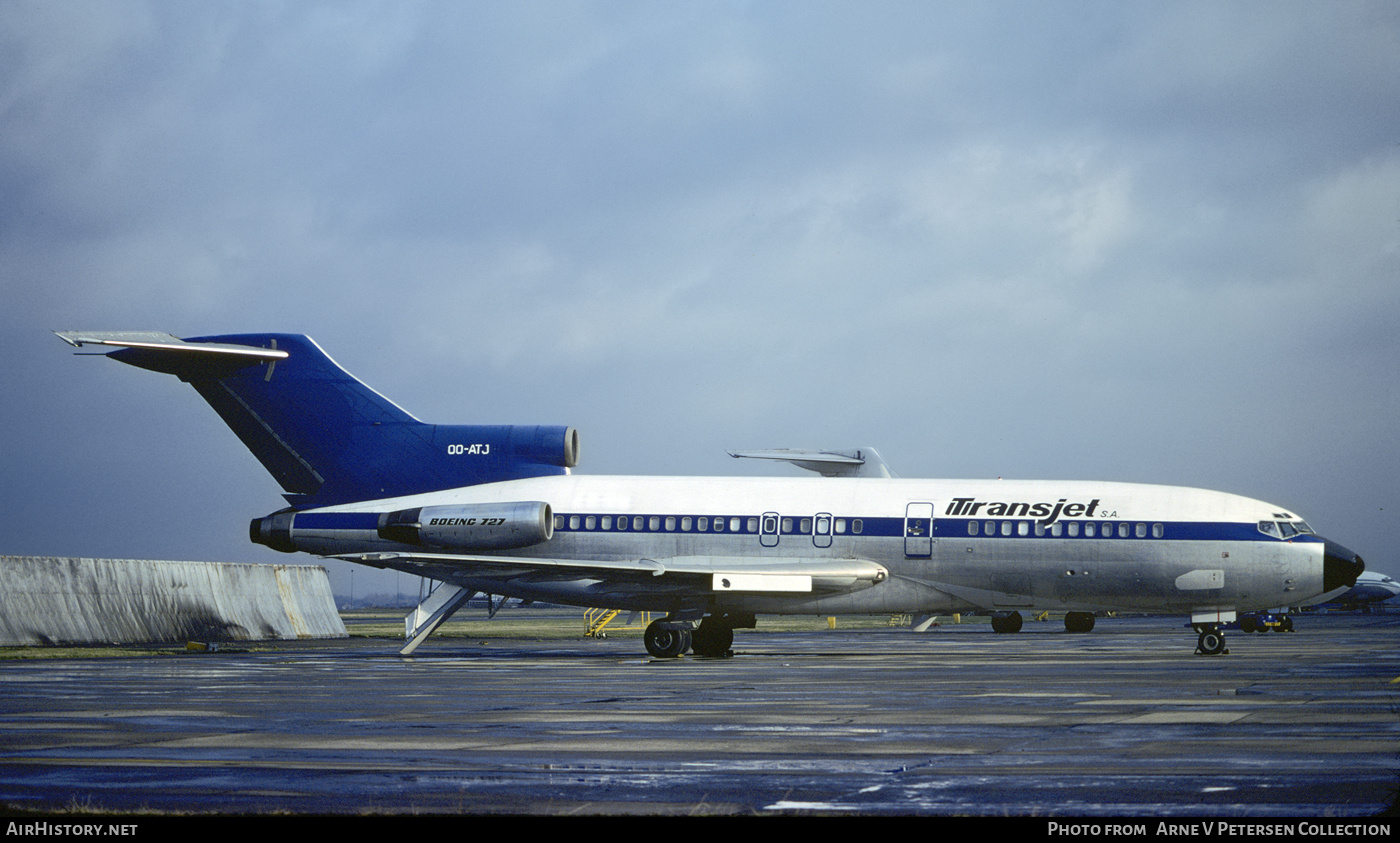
{"points": [[1151, 242]]}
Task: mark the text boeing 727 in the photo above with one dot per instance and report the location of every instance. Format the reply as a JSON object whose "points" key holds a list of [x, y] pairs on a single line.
{"points": [[495, 509]]}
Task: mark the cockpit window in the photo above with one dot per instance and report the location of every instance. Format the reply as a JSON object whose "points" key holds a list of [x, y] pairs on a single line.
{"points": [[1284, 529]]}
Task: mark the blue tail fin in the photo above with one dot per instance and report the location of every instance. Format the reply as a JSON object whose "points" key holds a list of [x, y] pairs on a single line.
{"points": [[327, 438]]}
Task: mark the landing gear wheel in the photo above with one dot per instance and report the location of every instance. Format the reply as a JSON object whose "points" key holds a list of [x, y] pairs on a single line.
{"points": [[1079, 622], [1247, 624], [712, 639], [1286, 625], [1211, 643], [1010, 622], [667, 639]]}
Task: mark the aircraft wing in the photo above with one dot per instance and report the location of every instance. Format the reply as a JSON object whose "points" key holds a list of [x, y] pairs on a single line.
{"points": [[864, 462], [705, 574]]}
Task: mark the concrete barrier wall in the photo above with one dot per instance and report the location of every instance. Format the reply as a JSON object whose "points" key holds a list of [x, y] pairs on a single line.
{"points": [[59, 600]]}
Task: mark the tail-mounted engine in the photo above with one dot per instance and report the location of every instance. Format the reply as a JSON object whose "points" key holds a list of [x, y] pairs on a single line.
{"points": [[479, 526], [489, 526]]}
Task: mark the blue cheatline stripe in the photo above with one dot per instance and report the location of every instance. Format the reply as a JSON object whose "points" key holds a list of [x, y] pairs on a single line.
{"points": [[945, 528]]}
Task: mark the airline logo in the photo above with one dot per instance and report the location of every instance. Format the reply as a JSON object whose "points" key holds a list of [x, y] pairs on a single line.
{"points": [[1044, 513]]}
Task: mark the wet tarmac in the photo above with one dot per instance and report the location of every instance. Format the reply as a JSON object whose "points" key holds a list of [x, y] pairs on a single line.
{"points": [[1124, 721]]}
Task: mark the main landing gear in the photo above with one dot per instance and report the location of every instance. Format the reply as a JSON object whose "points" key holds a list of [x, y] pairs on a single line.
{"points": [[1008, 622], [1079, 622], [713, 638], [1074, 622]]}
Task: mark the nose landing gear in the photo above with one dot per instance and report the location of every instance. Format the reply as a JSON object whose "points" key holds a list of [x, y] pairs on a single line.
{"points": [[1211, 641]]}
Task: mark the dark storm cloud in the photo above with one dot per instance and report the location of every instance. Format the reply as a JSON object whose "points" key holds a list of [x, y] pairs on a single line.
{"points": [[1138, 241]]}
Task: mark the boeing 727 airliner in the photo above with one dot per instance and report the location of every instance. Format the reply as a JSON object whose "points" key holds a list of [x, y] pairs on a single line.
{"points": [[497, 510]]}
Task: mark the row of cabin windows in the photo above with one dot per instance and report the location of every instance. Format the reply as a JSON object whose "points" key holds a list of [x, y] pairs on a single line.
{"points": [[1089, 529], [825, 524], [706, 524]]}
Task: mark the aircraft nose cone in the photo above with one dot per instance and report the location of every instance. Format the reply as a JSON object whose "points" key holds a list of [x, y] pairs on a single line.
{"points": [[1340, 567]]}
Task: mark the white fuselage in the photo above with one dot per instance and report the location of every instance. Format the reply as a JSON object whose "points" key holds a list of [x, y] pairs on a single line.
{"points": [[948, 545]]}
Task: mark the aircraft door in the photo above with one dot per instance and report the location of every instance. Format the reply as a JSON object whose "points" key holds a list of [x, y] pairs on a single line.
{"points": [[768, 529], [918, 530], [821, 530]]}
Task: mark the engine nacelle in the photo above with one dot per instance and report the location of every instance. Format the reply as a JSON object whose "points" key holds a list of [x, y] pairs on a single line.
{"points": [[478, 526]]}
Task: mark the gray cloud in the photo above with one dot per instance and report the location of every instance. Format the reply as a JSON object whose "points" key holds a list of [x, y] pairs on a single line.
{"points": [[1125, 241]]}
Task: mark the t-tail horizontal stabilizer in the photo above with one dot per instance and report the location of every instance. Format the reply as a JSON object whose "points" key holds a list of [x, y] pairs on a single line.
{"points": [[325, 436]]}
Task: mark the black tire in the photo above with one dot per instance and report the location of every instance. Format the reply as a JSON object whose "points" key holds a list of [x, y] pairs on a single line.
{"points": [[666, 639], [1211, 643], [1007, 623], [1079, 622], [712, 639]]}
